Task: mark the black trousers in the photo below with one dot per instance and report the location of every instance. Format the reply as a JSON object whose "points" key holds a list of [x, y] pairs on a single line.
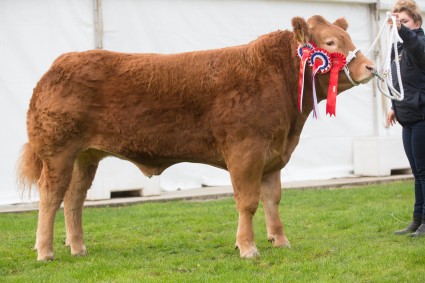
{"points": [[414, 146]]}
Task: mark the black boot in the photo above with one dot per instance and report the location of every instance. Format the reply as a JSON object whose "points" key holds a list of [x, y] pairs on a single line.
{"points": [[412, 227], [420, 232]]}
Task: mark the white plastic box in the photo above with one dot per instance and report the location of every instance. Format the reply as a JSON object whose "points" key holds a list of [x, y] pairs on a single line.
{"points": [[378, 156]]}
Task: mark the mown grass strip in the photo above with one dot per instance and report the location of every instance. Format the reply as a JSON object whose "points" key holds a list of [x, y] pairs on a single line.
{"points": [[343, 235]]}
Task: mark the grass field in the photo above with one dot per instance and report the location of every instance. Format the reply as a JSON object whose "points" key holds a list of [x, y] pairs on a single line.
{"points": [[343, 235]]}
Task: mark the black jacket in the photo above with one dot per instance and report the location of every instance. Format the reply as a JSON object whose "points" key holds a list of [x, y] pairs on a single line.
{"points": [[412, 68]]}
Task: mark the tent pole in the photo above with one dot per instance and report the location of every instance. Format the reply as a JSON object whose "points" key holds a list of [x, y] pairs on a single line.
{"points": [[98, 23], [376, 54]]}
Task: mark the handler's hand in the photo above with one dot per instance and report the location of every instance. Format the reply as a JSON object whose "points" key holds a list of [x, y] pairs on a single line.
{"points": [[391, 119], [398, 23]]}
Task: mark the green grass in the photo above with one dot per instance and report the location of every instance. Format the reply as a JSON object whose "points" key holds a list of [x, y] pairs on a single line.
{"points": [[341, 235]]}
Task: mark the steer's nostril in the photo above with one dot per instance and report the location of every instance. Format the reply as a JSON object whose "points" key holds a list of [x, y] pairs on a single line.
{"points": [[371, 68]]}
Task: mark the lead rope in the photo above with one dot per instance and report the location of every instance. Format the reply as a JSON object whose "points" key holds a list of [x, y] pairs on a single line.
{"points": [[384, 73]]}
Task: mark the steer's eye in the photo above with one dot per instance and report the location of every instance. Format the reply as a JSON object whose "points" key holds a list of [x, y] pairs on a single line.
{"points": [[330, 43]]}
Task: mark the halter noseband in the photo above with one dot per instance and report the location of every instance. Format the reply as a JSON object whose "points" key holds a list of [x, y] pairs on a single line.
{"points": [[351, 55]]}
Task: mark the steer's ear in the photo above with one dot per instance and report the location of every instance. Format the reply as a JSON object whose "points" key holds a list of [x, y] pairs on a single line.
{"points": [[342, 23], [300, 30]]}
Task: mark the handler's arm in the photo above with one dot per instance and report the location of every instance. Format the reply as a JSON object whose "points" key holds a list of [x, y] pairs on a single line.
{"points": [[413, 43]]}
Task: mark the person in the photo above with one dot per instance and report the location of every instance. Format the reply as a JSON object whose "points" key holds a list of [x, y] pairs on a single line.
{"points": [[410, 112]]}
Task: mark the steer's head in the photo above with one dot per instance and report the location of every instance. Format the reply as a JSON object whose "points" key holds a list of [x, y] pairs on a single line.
{"points": [[334, 38]]}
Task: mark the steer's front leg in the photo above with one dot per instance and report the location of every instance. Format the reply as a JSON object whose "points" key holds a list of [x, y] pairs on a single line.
{"points": [[245, 169], [245, 234], [270, 195]]}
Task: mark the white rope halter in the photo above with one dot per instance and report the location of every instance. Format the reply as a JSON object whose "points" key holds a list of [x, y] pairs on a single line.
{"points": [[351, 55], [384, 73]]}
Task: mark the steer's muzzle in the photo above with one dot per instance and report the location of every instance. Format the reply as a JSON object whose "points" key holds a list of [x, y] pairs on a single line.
{"points": [[368, 71], [374, 71]]}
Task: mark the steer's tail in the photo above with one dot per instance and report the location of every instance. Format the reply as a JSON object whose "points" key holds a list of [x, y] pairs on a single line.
{"points": [[29, 168]]}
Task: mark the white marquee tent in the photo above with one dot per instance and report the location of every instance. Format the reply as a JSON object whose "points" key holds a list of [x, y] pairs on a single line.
{"points": [[34, 32]]}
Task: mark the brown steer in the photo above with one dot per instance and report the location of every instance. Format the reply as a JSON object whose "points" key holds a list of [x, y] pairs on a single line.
{"points": [[234, 108]]}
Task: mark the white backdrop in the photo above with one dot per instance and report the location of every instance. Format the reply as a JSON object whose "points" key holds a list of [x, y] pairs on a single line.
{"points": [[33, 33]]}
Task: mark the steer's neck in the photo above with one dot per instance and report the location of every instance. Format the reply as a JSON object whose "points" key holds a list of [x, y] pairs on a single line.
{"points": [[279, 49]]}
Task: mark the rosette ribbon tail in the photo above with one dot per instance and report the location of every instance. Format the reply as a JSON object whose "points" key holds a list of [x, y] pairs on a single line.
{"points": [[320, 63], [338, 62], [316, 68], [304, 53], [303, 64], [332, 92]]}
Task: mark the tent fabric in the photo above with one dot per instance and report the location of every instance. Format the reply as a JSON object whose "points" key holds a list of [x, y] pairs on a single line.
{"points": [[34, 33]]}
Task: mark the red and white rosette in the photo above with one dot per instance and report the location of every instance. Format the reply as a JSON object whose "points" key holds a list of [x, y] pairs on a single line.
{"points": [[304, 52], [338, 62], [320, 63]]}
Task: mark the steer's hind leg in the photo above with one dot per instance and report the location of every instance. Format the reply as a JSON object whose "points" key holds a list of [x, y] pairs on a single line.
{"points": [[245, 170], [270, 195], [84, 170], [53, 183]]}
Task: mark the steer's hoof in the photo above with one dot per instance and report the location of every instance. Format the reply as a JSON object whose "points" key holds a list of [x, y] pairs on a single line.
{"points": [[249, 253], [284, 244], [46, 257], [79, 252], [281, 242]]}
